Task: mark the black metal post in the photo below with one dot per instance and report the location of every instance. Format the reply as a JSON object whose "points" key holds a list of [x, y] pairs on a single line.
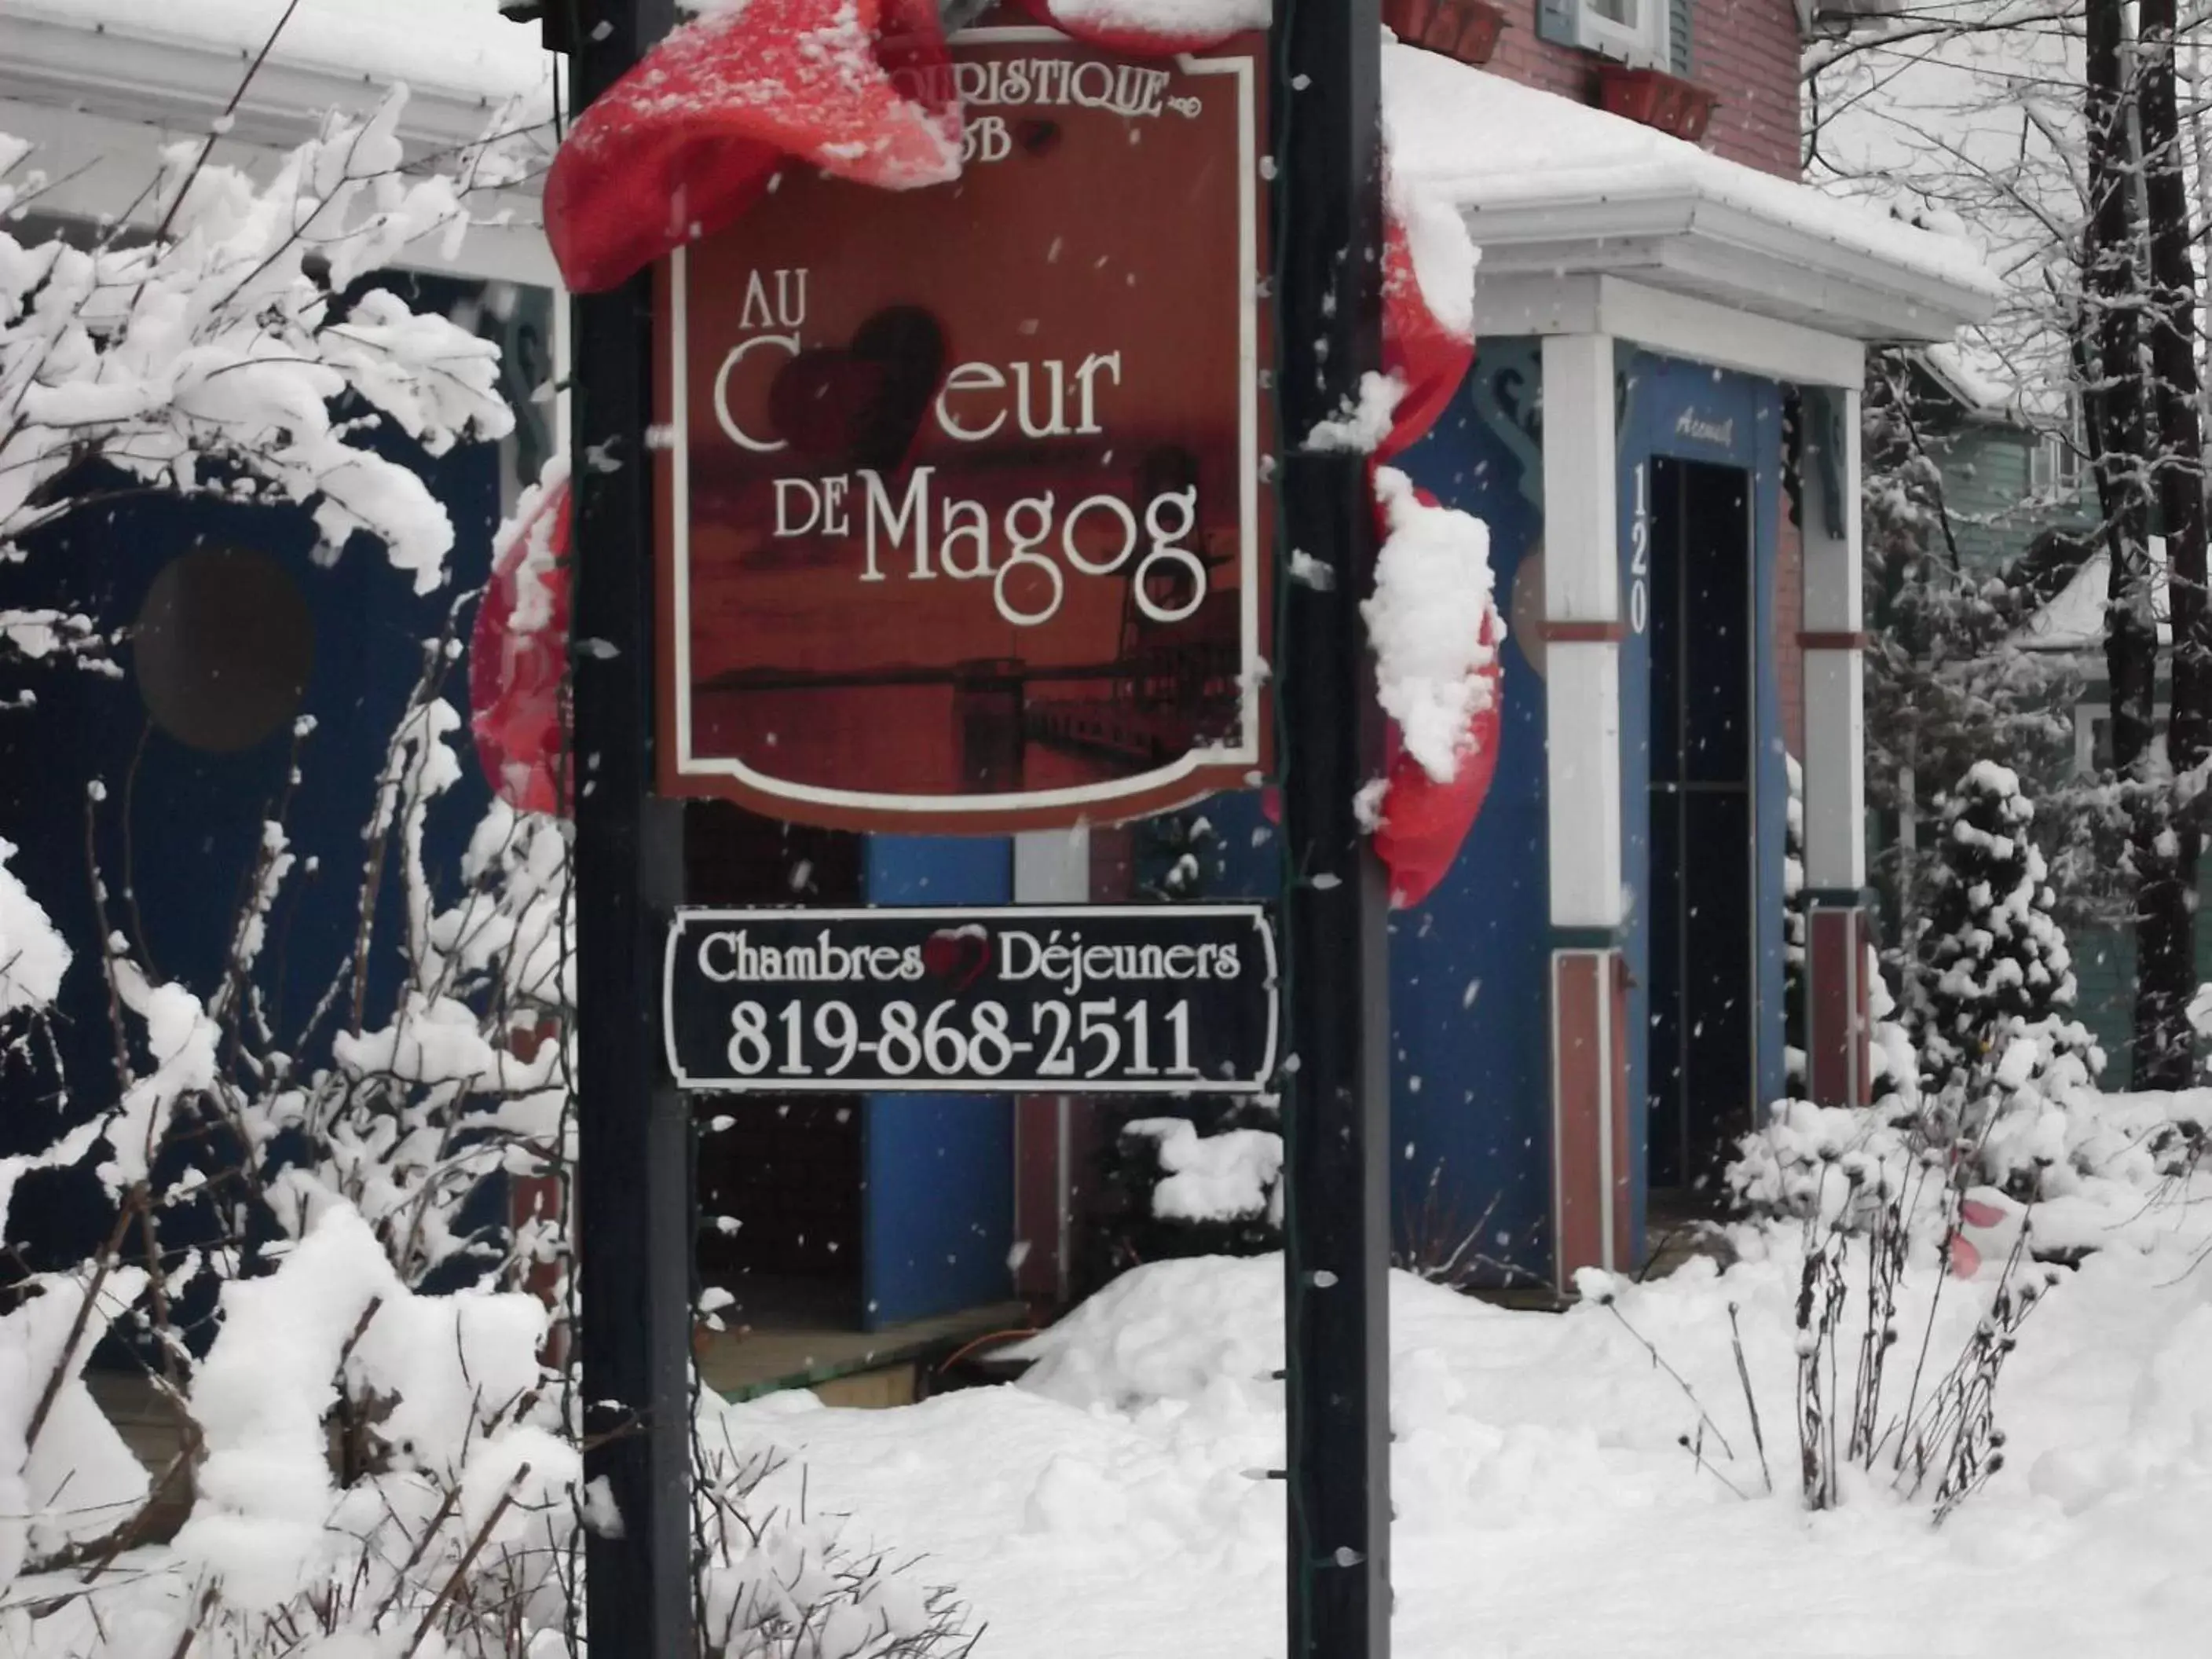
{"points": [[634, 1190], [1326, 100]]}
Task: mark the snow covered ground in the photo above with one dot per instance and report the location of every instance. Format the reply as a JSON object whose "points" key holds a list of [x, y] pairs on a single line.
{"points": [[1110, 1505]]}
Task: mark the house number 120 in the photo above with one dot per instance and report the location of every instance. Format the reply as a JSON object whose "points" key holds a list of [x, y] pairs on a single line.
{"points": [[1639, 556]]}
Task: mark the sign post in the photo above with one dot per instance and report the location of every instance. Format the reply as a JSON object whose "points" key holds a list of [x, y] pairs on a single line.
{"points": [[633, 1201], [1328, 225], [956, 521]]}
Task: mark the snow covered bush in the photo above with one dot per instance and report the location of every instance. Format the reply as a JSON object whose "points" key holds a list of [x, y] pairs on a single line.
{"points": [[1794, 924], [1992, 1100], [223, 357], [377, 1446], [1186, 1178], [2001, 1058], [1863, 1201]]}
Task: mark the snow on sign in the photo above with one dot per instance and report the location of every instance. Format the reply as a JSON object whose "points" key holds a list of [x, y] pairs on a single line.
{"points": [[963, 524], [1151, 999]]}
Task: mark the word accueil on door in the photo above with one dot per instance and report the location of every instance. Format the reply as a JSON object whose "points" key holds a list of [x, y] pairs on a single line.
{"points": [[965, 526]]}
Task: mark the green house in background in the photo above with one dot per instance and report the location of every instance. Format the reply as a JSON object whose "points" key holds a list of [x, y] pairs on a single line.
{"points": [[2009, 477]]}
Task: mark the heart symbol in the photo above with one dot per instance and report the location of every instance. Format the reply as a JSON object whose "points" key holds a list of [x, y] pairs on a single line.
{"points": [[860, 405], [957, 955], [1037, 137]]}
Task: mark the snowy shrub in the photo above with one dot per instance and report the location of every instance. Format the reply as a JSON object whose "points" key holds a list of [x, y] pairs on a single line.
{"points": [[221, 357], [1995, 960], [1862, 1202], [369, 1457], [1995, 1086], [1189, 1178], [2001, 1061]]}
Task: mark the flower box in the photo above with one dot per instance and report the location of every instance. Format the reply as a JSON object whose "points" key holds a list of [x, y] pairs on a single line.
{"points": [[1654, 98], [1465, 29]]}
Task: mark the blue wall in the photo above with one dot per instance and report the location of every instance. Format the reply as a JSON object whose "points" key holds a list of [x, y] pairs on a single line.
{"points": [[1471, 967], [938, 1209]]}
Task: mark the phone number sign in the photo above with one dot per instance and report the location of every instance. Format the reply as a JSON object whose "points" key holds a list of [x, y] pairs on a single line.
{"points": [[1024, 1000]]}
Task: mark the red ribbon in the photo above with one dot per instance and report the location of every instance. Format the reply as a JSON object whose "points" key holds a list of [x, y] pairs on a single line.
{"points": [[518, 713], [689, 138]]}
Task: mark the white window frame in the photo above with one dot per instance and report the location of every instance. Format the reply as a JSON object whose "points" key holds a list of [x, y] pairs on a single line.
{"points": [[2086, 718], [2054, 467], [1648, 45]]}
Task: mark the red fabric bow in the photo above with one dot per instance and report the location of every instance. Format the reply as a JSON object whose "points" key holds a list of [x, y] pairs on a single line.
{"points": [[1422, 821], [517, 662], [1426, 357], [682, 145]]}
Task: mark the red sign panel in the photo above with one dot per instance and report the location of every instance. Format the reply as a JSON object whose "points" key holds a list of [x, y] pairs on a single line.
{"points": [[964, 524]]}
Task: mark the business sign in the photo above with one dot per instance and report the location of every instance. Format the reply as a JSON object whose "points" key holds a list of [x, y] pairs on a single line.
{"points": [[963, 525], [1162, 998]]}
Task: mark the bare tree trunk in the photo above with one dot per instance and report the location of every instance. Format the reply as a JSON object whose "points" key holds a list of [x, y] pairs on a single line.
{"points": [[2112, 322], [2169, 975]]}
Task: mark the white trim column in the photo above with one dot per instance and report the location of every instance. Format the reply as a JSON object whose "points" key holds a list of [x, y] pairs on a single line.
{"points": [[1581, 630], [1833, 623], [1591, 1122], [1838, 1026]]}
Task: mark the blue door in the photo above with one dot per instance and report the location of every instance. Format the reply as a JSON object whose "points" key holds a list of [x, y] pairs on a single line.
{"points": [[938, 1170]]}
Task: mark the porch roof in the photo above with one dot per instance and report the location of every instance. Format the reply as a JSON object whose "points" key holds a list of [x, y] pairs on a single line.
{"points": [[179, 61], [99, 85], [2074, 618], [1551, 189]]}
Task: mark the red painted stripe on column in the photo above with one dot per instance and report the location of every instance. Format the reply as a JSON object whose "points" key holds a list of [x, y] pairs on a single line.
{"points": [[1862, 1039], [1578, 1115], [1624, 1186], [1835, 1007], [1037, 1196]]}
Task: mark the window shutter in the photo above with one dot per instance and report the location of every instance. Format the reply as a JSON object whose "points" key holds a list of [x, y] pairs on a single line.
{"points": [[1555, 20], [1678, 37]]}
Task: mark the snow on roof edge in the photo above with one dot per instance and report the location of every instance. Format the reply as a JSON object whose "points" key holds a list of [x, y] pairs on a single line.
{"points": [[454, 48], [1488, 144], [2074, 620]]}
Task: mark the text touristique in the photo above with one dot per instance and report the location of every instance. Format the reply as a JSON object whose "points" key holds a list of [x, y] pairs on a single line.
{"points": [[1136, 90]]}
